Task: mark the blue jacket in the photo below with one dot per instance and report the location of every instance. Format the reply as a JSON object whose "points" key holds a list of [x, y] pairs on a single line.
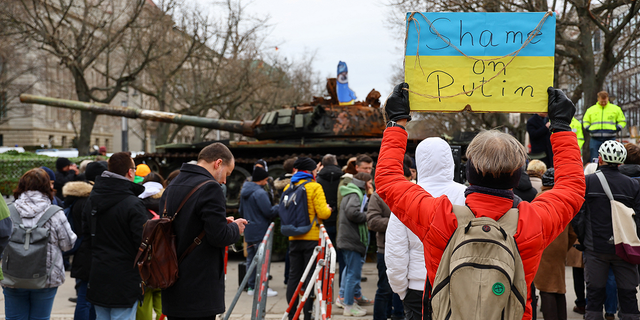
{"points": [[255, 206]]}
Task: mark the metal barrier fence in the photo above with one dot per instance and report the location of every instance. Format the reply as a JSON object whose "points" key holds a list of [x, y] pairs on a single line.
{"points": [[262, 259], [324, 258]]}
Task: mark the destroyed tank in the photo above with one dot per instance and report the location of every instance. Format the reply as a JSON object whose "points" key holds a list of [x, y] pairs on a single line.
{"points": [[311, 130]]}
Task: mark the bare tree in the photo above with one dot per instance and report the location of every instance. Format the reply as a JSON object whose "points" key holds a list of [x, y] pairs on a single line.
{"points": [[237, 76], [18, 74], [104, 44], [592, 37]]}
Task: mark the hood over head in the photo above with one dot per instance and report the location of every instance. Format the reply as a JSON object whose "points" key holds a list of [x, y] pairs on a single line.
{"points": [[248, 188], [435, 166]]}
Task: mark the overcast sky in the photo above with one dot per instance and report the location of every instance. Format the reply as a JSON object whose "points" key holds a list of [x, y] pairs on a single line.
{"points": [[353, 31]]}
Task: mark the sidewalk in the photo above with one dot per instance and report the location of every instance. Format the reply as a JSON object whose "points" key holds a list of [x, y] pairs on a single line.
{"points": [[63, 309]]}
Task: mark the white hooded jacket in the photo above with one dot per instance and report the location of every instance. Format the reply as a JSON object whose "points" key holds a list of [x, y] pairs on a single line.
{"points": [[404, 253]]}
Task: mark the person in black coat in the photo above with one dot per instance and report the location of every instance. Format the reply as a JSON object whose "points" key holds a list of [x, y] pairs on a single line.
{"points": [[65, 171], [76, 195], [199, 290], [329, 179], [540, 137], [115, 231]]}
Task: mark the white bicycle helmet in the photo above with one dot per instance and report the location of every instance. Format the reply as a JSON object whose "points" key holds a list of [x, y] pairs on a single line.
{"points": [[613, 151]]}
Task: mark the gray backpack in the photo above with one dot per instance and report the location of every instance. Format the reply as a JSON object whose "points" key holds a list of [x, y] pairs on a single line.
{"points": [[480, 275], [24, 261]]}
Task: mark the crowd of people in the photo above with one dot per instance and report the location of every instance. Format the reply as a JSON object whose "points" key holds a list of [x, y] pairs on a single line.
{"points": [[552, 210]]}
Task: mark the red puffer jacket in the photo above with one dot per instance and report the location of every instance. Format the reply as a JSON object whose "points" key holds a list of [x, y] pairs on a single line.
{"points": [[433, 221]]}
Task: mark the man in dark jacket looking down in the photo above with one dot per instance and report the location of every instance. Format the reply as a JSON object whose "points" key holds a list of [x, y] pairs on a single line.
{"points": [[115, 229], [255, 206], [199, 290]]}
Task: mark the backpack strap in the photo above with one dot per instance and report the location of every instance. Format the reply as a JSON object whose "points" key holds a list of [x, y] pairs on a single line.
{"points": [[197, 240], [605, 184], [463, 214], [47, 215], [509, 221], [164, 211], [14, 215]]}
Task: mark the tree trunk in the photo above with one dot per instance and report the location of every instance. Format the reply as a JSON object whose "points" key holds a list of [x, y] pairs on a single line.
{"points": [[87, 119]]}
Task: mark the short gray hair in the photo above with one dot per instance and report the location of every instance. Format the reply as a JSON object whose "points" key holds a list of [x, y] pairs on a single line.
{"points": [[494, 152], [329, 159]]}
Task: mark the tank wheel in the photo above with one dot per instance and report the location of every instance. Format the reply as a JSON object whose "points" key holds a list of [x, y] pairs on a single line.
{"points": [[153, 165], [276, 170], [234, 184]]}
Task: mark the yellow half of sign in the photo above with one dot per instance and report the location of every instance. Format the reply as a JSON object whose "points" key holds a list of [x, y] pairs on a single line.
{"points": [[447, 83]]}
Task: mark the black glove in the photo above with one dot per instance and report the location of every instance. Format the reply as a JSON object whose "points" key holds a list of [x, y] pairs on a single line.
{"points": [[397, 106], [561, 110], [579, 246]]}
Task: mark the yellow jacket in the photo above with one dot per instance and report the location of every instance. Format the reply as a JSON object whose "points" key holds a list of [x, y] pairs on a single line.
{"points": [[604, 122], [317, 203], [576, 127]]}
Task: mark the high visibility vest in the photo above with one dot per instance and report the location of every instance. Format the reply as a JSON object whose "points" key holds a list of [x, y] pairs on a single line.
{"points": [[576, 127], [603, 121]]}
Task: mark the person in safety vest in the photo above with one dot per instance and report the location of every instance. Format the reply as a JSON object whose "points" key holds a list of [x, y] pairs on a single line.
{"points": [[496, 160], [576, 127], [603, 120]]}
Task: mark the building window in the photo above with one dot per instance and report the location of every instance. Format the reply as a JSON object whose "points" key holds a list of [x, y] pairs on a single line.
{"points": [[64, 142], [106, 143], [51, 141], [97, 142]]}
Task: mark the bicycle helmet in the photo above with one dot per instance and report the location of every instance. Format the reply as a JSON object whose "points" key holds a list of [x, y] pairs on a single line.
{"points": [[613, 151]]}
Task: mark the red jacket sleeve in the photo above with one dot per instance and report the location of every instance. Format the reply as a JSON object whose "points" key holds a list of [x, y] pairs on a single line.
{"points": [[414, 206], [559, 205]]}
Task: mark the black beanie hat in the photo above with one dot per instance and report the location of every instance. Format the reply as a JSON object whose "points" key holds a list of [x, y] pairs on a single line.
{"points": [[259, 174], [61, 163], [506, 180], [305, 164], [547, 178], [95, 169]]}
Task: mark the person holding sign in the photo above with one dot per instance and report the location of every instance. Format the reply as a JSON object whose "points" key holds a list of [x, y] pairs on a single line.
{"points": [[603, 120], [494, 168]]}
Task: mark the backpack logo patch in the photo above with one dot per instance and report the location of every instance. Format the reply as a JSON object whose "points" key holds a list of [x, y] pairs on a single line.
{"points": [[498, 288]]}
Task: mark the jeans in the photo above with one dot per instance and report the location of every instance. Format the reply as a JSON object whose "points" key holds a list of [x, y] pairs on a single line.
{"points": [[398, 306], [28, 304], [412, 303], [611, 302], [103, 313], [596, 272], [300, 252], [84, 308], [351, 274], [594, 145], [252, 248], [384, 293]]}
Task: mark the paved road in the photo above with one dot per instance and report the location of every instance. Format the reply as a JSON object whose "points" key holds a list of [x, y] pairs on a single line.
{"points": [[63, 309]]}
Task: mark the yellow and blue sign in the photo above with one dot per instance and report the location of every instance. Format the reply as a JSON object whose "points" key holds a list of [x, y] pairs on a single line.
{"points": [[485, 62]]}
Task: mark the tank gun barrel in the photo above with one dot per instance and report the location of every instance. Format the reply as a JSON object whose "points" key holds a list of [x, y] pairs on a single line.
{"points": [[243, 127]]}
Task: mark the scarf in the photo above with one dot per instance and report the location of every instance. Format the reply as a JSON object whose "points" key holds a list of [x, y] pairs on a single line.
{"points": [[504, 193], [301, 175]]}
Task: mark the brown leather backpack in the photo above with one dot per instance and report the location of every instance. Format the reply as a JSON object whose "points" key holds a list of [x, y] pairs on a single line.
{"points": [[157, 259]]}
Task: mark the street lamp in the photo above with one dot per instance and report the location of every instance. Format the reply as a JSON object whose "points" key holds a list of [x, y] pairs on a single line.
{"points": [[125, 129]]}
